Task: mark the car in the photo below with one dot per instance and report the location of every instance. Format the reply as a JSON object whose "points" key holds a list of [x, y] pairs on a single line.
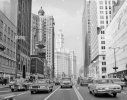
{"points": [[18, 85], [41, 85], [104, 86], [119, 82], [84, 82], [57, 82], [66, 82]]}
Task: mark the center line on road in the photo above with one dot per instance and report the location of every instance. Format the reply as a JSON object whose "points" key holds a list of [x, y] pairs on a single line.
{"points": [[51, 94], [22, 93], [78, 94]]}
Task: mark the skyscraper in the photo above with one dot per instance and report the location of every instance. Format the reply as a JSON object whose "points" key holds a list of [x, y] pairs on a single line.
{"points": [[65, 60], [99, 15], [43, 35], [23, 45]]}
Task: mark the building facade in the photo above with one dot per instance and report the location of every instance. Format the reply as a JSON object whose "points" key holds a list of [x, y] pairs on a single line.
{"points": [[116, 41], [23, 45], [8, 56], [86, 37], [100, 15], [43, 38], [65, 60]]}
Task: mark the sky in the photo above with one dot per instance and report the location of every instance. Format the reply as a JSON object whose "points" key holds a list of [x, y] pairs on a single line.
{"points": [[68, 17]]}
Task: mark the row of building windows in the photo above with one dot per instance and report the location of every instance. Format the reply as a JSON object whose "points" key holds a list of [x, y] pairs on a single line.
{"points": [[7, 40], [9, 53], [106, 2], [7, 62], [7, 29], [102, 7]]}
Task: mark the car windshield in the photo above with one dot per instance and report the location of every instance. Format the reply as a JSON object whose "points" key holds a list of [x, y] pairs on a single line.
{"points": [[103, 81]]}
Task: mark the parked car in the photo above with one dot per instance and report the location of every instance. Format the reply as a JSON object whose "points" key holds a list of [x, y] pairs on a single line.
{"points": [[119, 82], [104, 86], [41, 85], [18, 85], [66, 82]]}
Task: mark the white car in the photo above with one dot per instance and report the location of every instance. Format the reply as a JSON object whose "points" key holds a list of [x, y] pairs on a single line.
{"points": [[104, 86]]}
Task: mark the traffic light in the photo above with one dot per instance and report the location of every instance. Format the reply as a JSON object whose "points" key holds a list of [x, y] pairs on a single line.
{"points": [[2, 48]]}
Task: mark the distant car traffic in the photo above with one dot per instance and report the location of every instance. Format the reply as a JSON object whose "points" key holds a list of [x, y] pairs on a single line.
{"points": [[57, 81], [119, 82], [104, 86], [41, 85], [84, 82], [66, 82]]}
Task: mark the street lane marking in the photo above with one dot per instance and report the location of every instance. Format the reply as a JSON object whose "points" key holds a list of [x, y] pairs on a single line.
{"points": [[51, 94], [6, 91], [22, 93], [65, 89], [78, 94]]}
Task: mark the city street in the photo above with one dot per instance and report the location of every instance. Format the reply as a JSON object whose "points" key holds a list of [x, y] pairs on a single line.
{"points": [[75, 93]]}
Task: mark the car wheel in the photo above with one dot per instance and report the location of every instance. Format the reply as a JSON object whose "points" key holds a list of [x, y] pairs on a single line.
{"points": [[122, 87], [90, 91], [32, 92], [114, 94], [61, 87], [12, 90]]}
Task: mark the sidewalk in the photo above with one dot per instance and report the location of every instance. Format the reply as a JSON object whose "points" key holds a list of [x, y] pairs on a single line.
{"points": [[4, 86]]}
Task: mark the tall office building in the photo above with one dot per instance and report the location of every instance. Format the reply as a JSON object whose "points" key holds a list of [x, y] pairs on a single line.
{"points": [[43, 37], [65, 60], [18, 15], [86, 36], [7, 39], [23, 45], [99, 16]]}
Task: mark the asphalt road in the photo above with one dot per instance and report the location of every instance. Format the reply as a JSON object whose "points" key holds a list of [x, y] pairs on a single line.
{"points": [[75, 93], [87, 96]]}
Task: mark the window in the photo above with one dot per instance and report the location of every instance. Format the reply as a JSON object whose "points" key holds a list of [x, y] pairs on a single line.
{"points": [[103, 69], [103, 58], [101, 7], [102, 32], [101, 12], [5, 38], [12, 33], [106, 22], [102, 47], [103, 63], [5, 27], [101, 2], [101, 17], [8, 30], [102, 42], [8, 40], [109, 12], [1, 35], [101, 22], [1, 23]]}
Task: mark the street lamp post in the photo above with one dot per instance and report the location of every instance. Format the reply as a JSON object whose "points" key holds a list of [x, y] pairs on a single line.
{"points": [[115, 67]]}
